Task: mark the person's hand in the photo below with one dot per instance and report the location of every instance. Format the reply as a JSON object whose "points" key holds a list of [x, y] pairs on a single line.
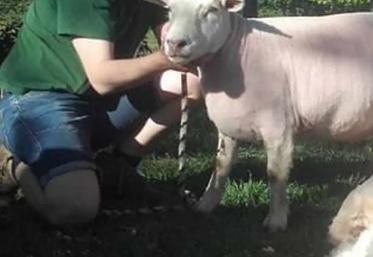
{"points": [[190, 67], [174, 66]]}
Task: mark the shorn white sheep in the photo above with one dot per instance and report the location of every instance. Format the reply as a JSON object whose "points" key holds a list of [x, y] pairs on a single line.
{"points": [[272, 79]]}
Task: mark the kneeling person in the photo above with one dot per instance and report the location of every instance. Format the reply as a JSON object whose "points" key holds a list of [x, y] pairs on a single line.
{"points": [[72, 86]]}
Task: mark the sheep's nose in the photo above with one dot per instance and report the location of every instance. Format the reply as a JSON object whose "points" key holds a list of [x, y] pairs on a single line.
{"points": [[176, 44]]}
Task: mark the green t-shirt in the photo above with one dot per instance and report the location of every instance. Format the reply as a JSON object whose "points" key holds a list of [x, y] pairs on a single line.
{"points": [[43, 57]]}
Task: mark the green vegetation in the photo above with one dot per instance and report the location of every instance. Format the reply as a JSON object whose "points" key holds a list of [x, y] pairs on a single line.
{"points": [[310, 7], [11, 12], [323, 175]]}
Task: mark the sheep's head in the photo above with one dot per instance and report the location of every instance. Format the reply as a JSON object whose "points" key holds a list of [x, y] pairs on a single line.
{"points": [[197, 27]]}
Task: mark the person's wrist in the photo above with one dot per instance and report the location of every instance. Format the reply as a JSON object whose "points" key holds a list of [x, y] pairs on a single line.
{"points": [[164, 63]]}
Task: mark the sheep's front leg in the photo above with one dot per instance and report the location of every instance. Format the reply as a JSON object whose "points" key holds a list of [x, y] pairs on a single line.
{"points": [[213, 193], [279, 163]]}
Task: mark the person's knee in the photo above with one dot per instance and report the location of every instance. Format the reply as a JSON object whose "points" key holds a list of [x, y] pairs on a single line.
{"points": [[72, 198], [193, 87], [170, 84], [64, 215]]}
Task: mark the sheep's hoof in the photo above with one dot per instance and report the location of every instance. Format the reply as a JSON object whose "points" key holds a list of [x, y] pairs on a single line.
{"points": [[188, 197], [208, 202], [276, 222]]}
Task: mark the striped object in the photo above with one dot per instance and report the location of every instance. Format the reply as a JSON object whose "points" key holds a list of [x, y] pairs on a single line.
{"points": [[183, 128], [187, 195]]}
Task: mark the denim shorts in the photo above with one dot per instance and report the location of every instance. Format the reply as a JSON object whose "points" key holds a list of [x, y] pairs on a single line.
{"points": [[56, 132]]}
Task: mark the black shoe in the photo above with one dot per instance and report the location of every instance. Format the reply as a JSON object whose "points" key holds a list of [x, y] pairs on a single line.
{"points": [[122, 179], [135, 186]]}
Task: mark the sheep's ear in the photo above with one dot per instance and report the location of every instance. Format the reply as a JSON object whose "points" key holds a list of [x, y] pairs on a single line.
{"points": [[158, 2], [233, 5]]}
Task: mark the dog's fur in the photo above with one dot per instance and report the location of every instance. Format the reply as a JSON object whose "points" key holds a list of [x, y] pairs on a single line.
{"points": [[352, 228], [361, 247]]}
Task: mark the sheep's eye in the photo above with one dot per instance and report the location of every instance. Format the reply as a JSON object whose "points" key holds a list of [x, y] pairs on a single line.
{"points": [[213, 9], [209, 10]]}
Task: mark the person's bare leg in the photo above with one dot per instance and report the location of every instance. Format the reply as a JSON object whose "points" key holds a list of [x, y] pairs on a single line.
{"points": [[166, 116], [70, 198]]}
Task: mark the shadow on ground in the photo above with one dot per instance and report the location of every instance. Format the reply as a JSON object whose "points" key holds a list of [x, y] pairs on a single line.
{"points": [[228, 232]]}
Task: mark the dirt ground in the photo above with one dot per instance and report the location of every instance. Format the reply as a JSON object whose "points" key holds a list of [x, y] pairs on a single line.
{"points": [[234, 231]]}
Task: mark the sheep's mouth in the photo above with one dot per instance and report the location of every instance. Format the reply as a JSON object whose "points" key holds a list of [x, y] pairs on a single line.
{"points": [[180, 59], [177, 55]]}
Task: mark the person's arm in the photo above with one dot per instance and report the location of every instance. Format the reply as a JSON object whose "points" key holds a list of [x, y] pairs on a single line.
{"points": [[107, 75]]}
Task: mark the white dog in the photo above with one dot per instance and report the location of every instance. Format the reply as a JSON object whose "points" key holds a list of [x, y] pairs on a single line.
{"points": [[352, 228], [361, 247]]}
